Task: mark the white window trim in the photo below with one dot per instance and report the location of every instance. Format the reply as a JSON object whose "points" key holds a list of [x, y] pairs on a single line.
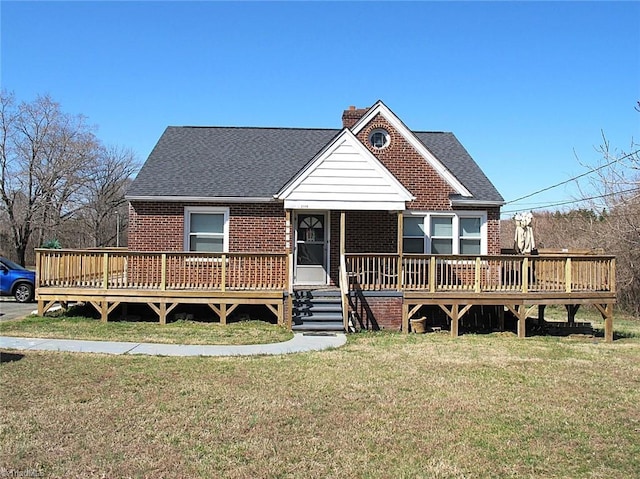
{"points": [[205, 210], [456, 215], [384, 133]]}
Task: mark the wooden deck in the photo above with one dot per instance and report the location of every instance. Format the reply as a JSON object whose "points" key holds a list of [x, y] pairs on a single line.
{"points": [[522, 284], [107, 279], [163, 280]]}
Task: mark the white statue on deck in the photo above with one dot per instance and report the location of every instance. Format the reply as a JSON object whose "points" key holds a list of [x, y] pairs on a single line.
{"points": [[523, 242]]}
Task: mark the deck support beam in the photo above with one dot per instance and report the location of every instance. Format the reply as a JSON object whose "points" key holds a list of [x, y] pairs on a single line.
{"points": [[572, 309], [405, 317], [162, 310], [606, 310], [455, 313], [43, 306]]}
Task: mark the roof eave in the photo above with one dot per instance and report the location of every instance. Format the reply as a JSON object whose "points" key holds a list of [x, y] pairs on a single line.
{"points": [[458, 202], [203, 199]]}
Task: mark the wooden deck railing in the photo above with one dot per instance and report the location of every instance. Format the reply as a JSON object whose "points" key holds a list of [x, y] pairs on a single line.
{"points": [[117, 269], [506, 273], [121, 269]]}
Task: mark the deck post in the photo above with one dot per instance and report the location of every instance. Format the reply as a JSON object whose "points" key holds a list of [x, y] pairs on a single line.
{"points": [[477, 282], [223, 313], [612, 275], [608, 323], [163, 272], [223, 284], [163, 313], [525, 275], [400, 251], [522, 320], [105, 270], [37, 285], [280, 309], [572, 309], [432, 274], [567, 275], [104, 310], [342, 276], [541, 308], [455, 321], [405, 316], [289, 267]]}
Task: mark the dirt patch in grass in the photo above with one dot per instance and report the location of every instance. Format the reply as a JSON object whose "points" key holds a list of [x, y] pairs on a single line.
{"points": [[385, 405]]}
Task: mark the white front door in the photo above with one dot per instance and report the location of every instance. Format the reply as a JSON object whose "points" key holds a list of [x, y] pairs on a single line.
{"points": [[311, 251]]}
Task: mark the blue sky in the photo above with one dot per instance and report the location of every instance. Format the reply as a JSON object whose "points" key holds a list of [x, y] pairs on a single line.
{"points": [[527, 87]]}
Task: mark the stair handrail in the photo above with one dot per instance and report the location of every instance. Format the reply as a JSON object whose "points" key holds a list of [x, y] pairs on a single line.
{"points": [[344, 292]]}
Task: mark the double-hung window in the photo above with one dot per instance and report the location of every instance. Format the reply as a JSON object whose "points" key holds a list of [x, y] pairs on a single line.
{"points": [[441, 235], [413, 240], [206, 229], [470, 235], [438, 233]]}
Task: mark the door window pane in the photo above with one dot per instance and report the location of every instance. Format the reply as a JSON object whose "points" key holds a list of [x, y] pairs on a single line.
{"points": [[310, 254], [311, 228]]}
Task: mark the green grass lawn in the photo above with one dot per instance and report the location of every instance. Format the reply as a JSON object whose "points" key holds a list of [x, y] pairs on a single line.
{"points": [[385, 405], [71, 326]]}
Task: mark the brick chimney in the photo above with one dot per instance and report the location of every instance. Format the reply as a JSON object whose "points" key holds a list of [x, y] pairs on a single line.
{"points": [[352, 115]]}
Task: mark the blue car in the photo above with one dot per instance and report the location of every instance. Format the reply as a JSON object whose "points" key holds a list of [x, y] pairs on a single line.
{"points": [[16, 281]]}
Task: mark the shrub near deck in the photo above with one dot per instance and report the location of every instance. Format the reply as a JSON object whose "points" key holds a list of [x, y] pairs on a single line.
{"points": [[386, 405]]}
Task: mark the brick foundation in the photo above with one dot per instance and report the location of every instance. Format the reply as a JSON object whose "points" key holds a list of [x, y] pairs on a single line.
{"points": [[377, 311]]}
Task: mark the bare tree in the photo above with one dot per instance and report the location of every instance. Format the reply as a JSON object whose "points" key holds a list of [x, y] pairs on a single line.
{"points": [[617, 194], [105, 211], [44, 157]]}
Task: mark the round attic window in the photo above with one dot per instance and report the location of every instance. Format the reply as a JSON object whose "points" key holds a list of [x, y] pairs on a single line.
{"points": [[379, 138]]}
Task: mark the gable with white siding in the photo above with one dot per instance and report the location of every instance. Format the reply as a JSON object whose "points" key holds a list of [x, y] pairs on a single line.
{"points": [[345, 176]]}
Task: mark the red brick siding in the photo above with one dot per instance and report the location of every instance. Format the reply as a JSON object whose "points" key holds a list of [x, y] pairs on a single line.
{"points": [[413, 171], [377, 312], [371, 232], [253, 227], [410, 168], [493, 231], [352, 115], [366, 232]]}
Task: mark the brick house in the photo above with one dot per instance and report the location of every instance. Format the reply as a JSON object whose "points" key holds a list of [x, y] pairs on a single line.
{"points": [[374, 186]]}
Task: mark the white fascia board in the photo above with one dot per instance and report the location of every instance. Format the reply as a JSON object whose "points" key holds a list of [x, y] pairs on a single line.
{"points": [[346, 135], [345, 205], [203, 199], [476, 203], [413, 140]]}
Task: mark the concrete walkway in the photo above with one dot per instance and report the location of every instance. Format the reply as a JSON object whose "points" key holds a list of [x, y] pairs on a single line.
{"points": [[298, 344]]}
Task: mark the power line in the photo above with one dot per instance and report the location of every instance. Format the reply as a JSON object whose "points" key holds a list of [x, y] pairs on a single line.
{"points": [[574, 178], [562, 203]]}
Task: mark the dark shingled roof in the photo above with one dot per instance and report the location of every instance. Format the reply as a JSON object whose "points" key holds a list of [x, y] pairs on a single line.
{"points": [[446, 148], [258, 162]]}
